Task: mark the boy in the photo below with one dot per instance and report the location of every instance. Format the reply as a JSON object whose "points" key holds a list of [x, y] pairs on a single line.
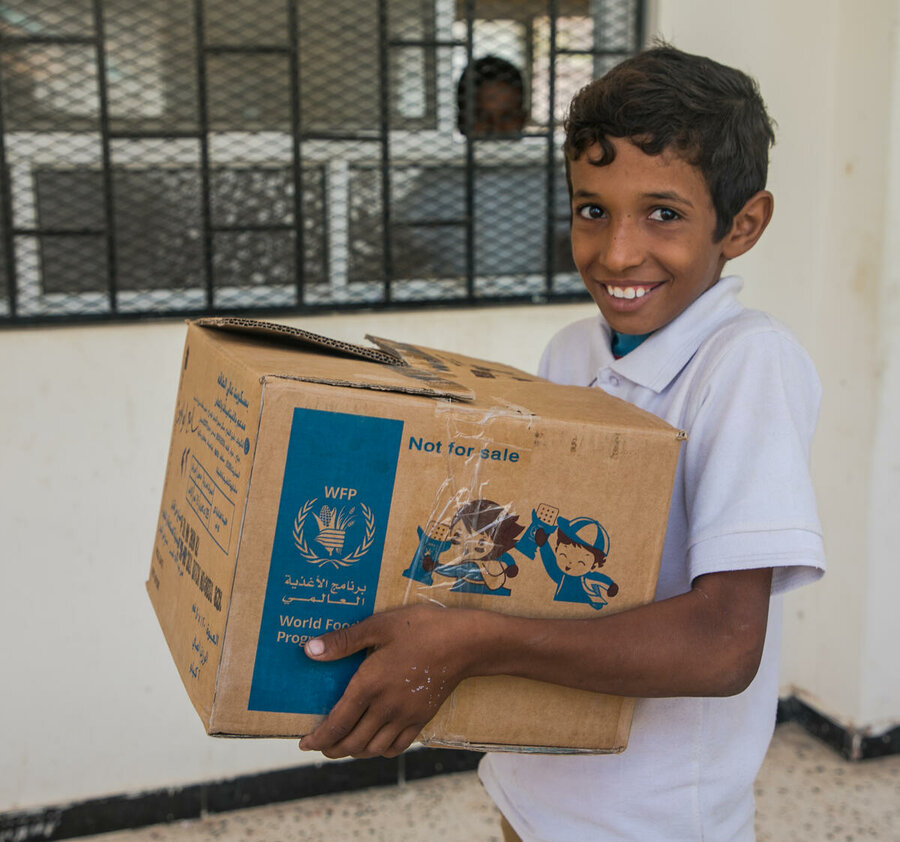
{"points": [[496, 91], [667, 157]]}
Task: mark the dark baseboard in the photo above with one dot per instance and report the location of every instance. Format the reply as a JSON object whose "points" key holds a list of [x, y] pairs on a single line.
{"points": [[849, 743], [124, 812]]}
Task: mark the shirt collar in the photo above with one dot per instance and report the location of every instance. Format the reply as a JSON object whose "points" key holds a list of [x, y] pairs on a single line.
{"points": [[655, 363]]}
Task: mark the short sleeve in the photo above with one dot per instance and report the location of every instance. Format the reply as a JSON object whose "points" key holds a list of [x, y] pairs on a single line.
{"points": [[748, 492]]}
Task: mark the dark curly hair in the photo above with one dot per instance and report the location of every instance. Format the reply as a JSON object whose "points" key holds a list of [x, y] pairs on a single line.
{"points": [[710, 115], [486, 69]]}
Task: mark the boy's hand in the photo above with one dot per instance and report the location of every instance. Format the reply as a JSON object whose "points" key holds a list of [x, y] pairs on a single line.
{"points": [[416, 658]]}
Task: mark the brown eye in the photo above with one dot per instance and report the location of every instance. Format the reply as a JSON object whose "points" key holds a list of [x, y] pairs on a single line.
{"points": [[590, 212]]}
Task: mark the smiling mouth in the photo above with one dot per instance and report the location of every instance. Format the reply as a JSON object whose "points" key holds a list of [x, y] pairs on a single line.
{"points": [[629, 292]]}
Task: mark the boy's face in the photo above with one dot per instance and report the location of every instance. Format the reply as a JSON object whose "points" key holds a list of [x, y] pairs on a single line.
{"points": [[498, 110], [642, 235], [574, 560]]}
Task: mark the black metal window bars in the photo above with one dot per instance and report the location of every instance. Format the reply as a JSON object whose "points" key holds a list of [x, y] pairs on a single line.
{"points": [[178, 157]]}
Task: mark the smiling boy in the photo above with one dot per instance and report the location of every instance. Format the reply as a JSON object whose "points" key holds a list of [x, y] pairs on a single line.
{"points": [[667, 157], [642, 234]]}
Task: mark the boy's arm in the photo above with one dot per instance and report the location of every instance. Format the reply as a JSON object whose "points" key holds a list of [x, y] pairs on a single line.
{"points": [[706, 642]]}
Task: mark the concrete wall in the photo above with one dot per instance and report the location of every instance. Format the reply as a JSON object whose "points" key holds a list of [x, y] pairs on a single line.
{"points": [[828, 267], [91, 704]]}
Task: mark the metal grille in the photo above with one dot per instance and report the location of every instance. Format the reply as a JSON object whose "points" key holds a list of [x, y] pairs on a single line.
{"points": [[163, 157]]}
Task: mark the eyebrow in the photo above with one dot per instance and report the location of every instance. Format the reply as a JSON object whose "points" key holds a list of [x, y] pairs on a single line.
{"points": [[670, 196], [660, 196]]}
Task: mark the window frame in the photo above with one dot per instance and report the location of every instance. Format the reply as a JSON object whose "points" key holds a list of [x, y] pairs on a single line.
{"points": [[22, 154]]}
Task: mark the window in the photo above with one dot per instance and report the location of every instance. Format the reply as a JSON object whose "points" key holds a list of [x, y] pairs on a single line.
{"points": [[185, 156]]}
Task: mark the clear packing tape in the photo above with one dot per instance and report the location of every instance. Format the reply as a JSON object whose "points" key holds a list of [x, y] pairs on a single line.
{"points": [[421, 478], [482, 532], [474, 537]]}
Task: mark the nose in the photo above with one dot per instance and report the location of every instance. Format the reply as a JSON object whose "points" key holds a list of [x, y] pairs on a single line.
{"points": [[623, 249]]}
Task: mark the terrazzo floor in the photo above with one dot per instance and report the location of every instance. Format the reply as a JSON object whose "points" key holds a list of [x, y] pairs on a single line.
{"points": [[805, 793]]}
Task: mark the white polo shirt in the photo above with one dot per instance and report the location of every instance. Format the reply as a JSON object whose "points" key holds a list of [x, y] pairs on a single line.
{"points": [[748, 396]]}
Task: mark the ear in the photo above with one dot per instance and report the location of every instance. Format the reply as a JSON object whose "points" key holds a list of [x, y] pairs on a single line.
{"points": [[748, 224]]}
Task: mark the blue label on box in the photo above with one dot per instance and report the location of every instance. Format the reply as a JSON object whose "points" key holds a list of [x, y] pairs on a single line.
{"points": [[326, 558]]}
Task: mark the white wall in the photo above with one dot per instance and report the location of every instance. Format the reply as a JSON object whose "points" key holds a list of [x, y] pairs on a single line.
{"points": [[91, 704], [859, 241], [880, 685], [827, 266]]}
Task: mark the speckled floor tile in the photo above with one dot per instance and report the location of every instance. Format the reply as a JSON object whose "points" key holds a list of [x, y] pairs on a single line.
{"points": [[448, 808], [805, 793]]}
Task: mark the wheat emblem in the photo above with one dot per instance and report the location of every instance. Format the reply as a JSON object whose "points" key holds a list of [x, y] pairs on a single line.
{"points": [[333, 524]]}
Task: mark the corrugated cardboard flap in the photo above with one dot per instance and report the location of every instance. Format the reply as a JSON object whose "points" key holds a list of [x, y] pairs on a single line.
{"points": [[313, 358], [293, 506], [276, 332]]}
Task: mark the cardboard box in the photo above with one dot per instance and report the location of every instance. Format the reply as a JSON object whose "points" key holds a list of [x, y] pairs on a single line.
{"points": [[311, 483]]}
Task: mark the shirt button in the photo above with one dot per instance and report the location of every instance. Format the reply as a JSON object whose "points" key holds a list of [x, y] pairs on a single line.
{"points": [[614, 381]]}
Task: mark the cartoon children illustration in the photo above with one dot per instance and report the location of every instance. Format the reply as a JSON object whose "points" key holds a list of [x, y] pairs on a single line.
{"points": [[582, 546], [482, 533]]}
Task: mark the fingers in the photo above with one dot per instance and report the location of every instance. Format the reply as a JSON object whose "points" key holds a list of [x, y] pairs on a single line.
{"points": [[363, 725], [403, 742], [371, 736], [387, 741], [334, 739], [352, 724], [344, 718], [343, 642], [381, 710], [379, 745]]}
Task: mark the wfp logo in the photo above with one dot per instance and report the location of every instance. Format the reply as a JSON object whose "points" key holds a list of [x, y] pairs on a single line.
{"points": [[333, 525], [323, 533]]}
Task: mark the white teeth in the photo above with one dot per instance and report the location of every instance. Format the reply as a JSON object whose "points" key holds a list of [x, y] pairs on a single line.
{"points": [[626, 292]]}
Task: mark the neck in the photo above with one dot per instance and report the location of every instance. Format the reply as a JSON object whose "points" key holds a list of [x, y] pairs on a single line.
{"points": [[625, 343]]}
